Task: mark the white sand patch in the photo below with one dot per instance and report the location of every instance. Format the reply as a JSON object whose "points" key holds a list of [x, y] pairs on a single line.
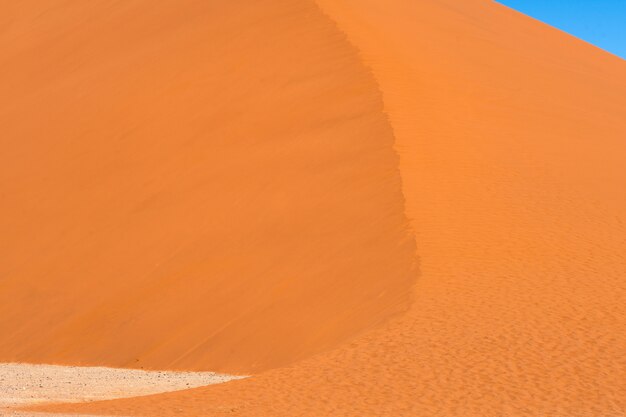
{"points": [[14, 413], [24, 384]]}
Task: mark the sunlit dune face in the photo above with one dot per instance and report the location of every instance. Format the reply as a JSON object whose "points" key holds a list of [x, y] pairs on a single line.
{"points": [[275, 238]]}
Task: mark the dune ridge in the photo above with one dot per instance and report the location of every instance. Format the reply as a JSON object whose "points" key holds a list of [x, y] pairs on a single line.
{"points": [[192, 185], [511, 143]]}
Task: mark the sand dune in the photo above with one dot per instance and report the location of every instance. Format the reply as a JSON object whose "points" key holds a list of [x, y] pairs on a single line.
{"points": [[192, 185], [511, 143]]}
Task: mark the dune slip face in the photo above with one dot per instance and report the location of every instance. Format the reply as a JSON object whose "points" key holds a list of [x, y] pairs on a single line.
{"points": [[342, 128], [192, 185], [512, 154]]}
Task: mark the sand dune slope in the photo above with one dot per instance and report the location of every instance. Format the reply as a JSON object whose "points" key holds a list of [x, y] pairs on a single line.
{"points": [[512, 143], [191, 184]]}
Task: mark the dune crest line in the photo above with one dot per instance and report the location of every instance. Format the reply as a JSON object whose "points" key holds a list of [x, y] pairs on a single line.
{"points": [[511, 142], [206, 186]]}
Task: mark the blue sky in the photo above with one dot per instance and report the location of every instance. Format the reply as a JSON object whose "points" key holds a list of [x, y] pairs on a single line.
{"points": [[600, 22]]}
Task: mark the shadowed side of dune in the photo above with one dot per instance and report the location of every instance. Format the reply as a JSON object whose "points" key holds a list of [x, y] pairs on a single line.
{"points": [[191, 185], [512, 154]]}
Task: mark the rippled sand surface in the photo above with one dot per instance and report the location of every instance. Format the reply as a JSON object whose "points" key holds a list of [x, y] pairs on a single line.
{"points": [[458, 242]]}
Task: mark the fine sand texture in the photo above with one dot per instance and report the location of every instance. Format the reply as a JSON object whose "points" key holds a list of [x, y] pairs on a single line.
{"points": [[26, 384], [19, 413], [195, 185], [512, 144], [251, 183]]}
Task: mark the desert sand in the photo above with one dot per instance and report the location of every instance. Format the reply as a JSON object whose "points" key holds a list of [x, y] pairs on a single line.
{"points": [[181, 193], [376, 208], [25, 384]]}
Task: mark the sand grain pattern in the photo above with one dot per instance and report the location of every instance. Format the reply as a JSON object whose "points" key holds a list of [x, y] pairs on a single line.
{"points": [[202, 185], [511, 142], [22, 385]]}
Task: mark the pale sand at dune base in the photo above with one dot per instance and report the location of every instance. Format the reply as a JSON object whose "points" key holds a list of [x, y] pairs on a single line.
{"points": [[17, 413], [28, 384]]}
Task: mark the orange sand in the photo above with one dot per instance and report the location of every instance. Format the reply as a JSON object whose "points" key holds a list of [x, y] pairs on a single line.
{"points": [[191, 185], [512, 144]]}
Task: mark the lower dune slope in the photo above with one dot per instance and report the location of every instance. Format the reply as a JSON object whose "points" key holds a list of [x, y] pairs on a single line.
{"points": [[512, 149], [192, 184]]}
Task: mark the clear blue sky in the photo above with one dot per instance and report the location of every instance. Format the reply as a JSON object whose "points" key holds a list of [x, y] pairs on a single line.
{"points": [[600, 22]]}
